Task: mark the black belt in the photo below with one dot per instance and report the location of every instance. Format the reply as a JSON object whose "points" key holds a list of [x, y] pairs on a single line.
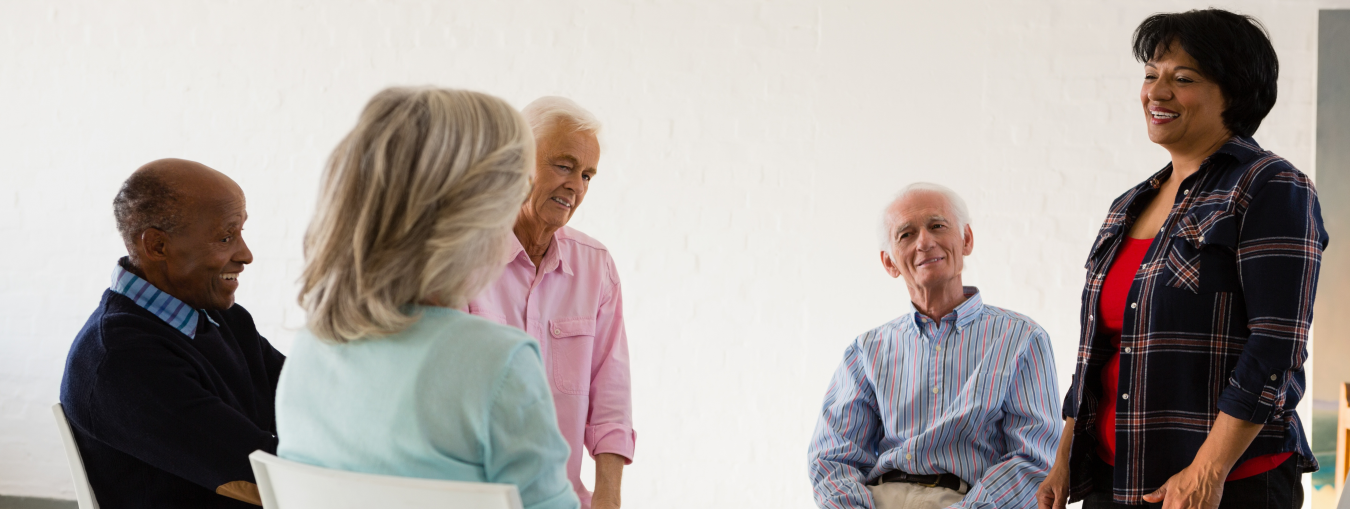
{"points": [[949, 481]]}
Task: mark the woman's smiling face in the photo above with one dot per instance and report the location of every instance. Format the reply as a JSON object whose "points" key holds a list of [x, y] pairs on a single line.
{"points": [[1181, 106]]}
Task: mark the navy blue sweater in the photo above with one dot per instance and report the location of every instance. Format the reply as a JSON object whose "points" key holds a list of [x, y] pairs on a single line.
{"points": [[162, 419]]}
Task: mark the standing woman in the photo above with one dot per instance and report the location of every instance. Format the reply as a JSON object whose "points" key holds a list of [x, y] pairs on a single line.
{"points": [[1199, 294]]}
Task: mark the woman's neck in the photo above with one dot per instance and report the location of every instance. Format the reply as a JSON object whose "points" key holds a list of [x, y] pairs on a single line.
{"points": [[1187, 160]]}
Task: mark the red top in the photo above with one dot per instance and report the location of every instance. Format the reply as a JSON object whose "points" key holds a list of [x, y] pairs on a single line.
{"points": [[1110, 320]]}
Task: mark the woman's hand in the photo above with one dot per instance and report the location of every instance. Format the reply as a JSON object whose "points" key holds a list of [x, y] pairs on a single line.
{"points": [[1054, 491], [1198, 486]]}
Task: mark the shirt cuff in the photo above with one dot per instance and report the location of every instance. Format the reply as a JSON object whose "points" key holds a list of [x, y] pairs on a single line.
{"points": [[1254, 407], [612, 439]]}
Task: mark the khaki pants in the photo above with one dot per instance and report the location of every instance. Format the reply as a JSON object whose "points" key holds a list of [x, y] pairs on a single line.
{"points": [[899, 495]]}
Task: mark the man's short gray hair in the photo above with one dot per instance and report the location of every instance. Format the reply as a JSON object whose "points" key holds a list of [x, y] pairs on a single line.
{"points": [[145, 201], [550, 111], [954, 200]]}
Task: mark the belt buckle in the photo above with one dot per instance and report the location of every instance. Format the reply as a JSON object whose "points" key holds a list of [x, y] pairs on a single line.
{"points": [[936, 480]]}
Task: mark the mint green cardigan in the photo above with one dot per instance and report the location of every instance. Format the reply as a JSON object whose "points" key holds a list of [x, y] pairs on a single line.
{"points": [[452, 397]]}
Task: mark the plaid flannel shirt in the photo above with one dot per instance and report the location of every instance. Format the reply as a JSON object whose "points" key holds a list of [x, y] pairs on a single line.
{"points": [[1218, 320]]}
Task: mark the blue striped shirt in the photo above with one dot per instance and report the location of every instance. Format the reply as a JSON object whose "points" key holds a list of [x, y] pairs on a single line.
{"points": [[973, 394], [174, 312]]}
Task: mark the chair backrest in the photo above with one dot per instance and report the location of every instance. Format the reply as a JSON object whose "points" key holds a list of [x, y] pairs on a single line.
{"points": [[84, 495], [285, 484]]}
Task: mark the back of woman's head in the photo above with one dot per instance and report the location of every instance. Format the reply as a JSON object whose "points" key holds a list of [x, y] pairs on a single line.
{"points": [[415, 206]]}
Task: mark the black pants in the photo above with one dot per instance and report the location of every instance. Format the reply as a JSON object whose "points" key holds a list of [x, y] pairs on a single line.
{"points": [[1280, 488]]}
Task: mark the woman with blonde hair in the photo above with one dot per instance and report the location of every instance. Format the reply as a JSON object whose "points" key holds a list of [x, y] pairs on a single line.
{"points": [[389, 377]]}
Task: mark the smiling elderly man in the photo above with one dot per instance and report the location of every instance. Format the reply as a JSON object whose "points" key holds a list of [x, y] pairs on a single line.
{"points": [[954, 403], [561, 287], [169, 387]]}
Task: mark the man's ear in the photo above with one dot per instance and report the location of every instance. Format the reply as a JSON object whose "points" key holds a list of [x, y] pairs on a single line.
{"points": [[968, 244], [152, 245], [889, 264]]}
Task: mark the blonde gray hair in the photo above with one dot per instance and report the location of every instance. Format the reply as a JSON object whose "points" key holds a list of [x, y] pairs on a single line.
{"points": [[553, 112], [887, 226], [415, 206]]}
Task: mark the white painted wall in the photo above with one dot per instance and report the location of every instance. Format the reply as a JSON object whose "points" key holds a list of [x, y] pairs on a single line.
{"points": [[749, 147]]}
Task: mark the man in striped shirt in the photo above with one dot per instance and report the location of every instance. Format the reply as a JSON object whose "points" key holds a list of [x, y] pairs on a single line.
{"points": [[954, 403]]}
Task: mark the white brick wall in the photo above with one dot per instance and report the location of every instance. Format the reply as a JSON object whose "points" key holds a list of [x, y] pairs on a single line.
{"points": [[749, 146]]}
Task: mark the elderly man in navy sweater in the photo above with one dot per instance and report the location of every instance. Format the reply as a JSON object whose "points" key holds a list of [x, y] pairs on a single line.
{"points": [[169, 387]]}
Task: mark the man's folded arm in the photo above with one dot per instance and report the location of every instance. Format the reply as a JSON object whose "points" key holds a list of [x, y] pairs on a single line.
{"points": [[149, 404], [843, 446], [1031, 428], [273, 360]]}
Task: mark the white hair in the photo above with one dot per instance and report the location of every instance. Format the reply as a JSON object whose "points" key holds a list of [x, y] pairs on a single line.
{"points": [[954, 200], [550, 112]]}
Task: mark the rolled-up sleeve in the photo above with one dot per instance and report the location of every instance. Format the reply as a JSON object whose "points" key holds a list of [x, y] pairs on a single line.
{"points": [[1279, 254], [609, 421], [843, 447]]}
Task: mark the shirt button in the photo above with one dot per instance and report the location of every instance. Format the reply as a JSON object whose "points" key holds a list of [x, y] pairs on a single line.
{"points": [[1185, 191], [1124, 396], [909, 456], [1162, 230], [1134, 305], [1127, 349], [1089, 318], [940, 348], [1273, 377], [935, 390], [557, 331], [1202, 238]]}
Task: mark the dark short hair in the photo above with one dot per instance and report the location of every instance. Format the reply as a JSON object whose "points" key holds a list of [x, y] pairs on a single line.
{"points": [[145, 201], [1232, 49]]}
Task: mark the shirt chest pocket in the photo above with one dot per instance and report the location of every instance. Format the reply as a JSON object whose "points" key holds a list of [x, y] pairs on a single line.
{"points": [[1201, 253], [1099, 250], [572, 341]]}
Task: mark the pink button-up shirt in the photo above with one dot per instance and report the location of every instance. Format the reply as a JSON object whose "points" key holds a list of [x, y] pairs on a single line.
{"points": [[573, 307]]}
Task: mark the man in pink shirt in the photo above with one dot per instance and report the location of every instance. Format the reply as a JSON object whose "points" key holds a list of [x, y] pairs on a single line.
{"points": [[560, 286]]}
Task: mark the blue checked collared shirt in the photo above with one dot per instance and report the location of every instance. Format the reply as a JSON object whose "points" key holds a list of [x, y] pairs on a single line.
{"points": [[173, 311], [973, 394]]}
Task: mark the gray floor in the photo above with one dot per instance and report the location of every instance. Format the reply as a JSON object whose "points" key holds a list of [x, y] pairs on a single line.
{"points": [[34, 503]]}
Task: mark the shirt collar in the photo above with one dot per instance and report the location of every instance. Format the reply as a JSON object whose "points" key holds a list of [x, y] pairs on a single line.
{"points": [[166, 307], [554, 258], [1241, 148], [964, 313]]}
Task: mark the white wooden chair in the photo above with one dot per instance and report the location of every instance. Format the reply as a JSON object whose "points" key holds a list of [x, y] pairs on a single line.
{"points": [[285, 484], [84, 495]]}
